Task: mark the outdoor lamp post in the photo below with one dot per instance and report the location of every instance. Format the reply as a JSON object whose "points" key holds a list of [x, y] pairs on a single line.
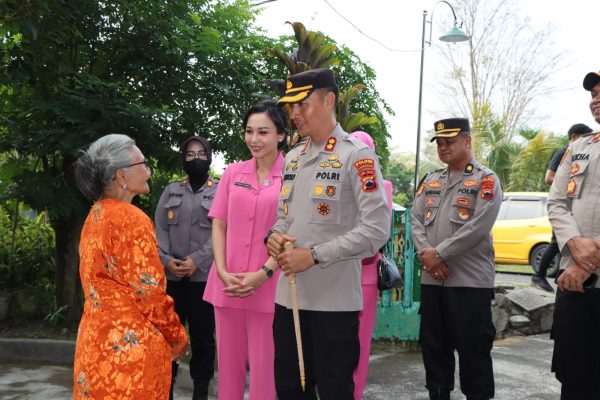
{"points": [[452, 36]]}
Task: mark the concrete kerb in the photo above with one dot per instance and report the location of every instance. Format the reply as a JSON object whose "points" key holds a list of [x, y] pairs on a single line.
{"points": [[52, 351]]}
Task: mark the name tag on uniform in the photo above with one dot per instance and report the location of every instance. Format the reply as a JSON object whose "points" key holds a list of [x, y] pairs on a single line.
{"points": [[244, 185]]}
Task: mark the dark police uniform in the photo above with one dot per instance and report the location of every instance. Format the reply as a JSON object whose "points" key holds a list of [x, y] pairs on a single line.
{"points": [[456, 217]]}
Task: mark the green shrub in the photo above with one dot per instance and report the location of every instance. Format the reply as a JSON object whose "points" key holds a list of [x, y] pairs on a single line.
{"points": [[27, 254]]}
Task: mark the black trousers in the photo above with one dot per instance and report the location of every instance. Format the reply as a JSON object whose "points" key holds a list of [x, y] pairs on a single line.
{"points": [[458, 318], [576, 357], [330, 347], [200, 318], [548, 256]]}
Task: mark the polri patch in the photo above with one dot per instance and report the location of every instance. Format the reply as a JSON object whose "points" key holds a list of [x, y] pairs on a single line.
{"points": [[574, 169], [571, 186], [463, 214], [421, 188], [323, 208], [487, 188], [463, 201]]}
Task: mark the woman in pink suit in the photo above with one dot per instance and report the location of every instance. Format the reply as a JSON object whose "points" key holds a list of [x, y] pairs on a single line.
{"points": [[366, 317], [241, 284]]}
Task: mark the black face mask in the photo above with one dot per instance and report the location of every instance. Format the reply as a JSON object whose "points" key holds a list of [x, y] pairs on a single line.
{"points": [[196, 168]]}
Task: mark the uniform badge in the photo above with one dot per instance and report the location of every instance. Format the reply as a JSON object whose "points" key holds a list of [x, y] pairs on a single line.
{"points": [[469, 168], [366, 172], [429, 201], [285, 207], [487, 188], [470, 182], [330, 146], [571, 186], [325, 164], [595, 138], [574, 168], [463, 201], [330, 191], [170, 214], [463, 214], [337, 164], [323, 208], [428, 214], [333, 157], [318, 190], [306, 143], [209, 183], [285, 190], [293, 164], [184, 181], [434, 184], [421, 188]]}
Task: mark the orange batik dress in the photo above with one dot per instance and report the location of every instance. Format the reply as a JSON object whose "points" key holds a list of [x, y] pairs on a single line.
{"points": [[129, 328]]}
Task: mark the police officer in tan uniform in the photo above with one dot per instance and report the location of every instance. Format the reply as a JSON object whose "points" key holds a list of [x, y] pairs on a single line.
{"points": [[452, 219], [334, 210], [183, 232], [573, 209]]}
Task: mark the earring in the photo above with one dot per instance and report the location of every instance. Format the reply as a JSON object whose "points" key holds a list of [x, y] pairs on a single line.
{"points": [[124, 186]]}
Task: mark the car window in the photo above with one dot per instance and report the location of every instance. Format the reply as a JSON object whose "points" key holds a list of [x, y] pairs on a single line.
{"points": [[521, 209]]}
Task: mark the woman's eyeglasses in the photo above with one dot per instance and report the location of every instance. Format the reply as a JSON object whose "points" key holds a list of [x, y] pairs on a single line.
{"points": [[145, 162], [189, 155]]}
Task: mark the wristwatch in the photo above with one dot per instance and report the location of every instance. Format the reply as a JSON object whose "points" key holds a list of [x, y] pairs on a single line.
{"points": [[313, 253], [268, 271], [268, 234]]}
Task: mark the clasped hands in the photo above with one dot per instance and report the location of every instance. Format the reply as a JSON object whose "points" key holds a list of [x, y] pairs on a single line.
{"points": [[434, 265], [181, 268], [586, 253], [291, 261]]}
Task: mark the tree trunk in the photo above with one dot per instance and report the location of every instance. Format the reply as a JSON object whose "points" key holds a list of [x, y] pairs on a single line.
{"points": [[67, 284]]}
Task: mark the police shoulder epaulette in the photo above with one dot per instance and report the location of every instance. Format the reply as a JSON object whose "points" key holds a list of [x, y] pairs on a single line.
{"points": [[302, 142], [356, 142]]}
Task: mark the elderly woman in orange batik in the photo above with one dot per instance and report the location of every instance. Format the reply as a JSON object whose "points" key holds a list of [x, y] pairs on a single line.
{"points": [[129, 332]]}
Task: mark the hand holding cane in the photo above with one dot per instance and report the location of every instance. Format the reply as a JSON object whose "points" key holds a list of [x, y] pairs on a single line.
{"points": [[296, 314]]}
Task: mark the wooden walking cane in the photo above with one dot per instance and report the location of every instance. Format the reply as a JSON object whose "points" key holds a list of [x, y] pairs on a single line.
{"points": [[296, 314]]}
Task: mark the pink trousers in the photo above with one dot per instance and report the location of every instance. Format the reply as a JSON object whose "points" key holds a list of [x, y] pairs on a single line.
{"points": [[245, 338], [366, 320]]}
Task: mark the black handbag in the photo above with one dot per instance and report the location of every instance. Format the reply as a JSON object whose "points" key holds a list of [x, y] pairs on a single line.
{"points": [[388, 276]]}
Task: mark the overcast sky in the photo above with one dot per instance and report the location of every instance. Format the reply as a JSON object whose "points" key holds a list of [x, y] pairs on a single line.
{"points": [[397, 24]]}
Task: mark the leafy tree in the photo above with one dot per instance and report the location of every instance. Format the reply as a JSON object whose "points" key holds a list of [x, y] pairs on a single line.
{"points": [[359, 105], [502, 70], [400, 171], [528, 171], [156, 70]]}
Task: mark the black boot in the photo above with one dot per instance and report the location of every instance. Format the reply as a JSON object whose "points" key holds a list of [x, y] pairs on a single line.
{"points": [[200, 390], [174, 369], [439, 394]]}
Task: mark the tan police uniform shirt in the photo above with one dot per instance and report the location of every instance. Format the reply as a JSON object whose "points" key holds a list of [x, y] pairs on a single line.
{"points": [[332, 198], [574, 200], [456, 217], [183, 227]]}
